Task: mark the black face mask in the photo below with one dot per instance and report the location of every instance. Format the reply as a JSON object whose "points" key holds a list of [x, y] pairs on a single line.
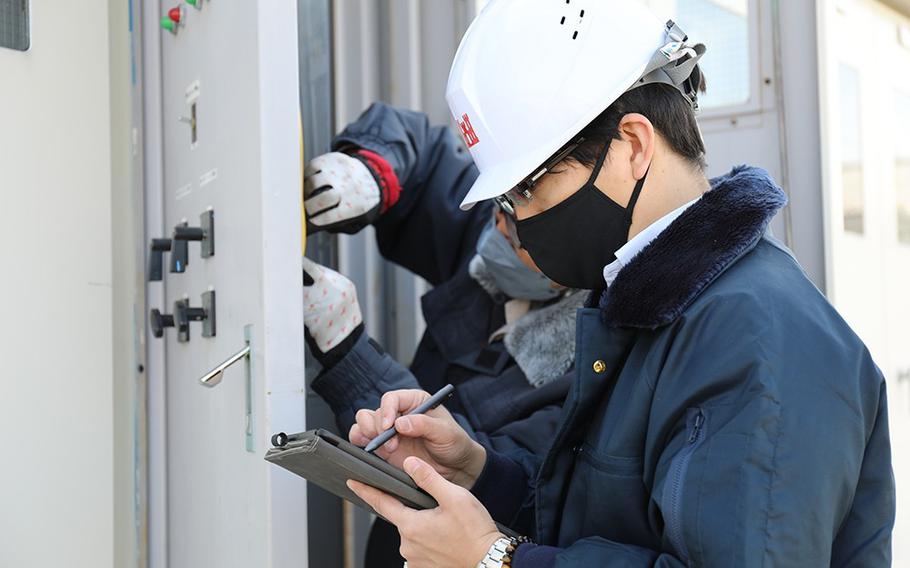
{"points": [[573, 241]]}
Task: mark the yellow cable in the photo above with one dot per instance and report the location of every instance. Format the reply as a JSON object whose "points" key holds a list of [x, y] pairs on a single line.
{"points": [[300, 187]]}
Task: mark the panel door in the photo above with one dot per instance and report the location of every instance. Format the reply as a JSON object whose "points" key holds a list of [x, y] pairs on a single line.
{"points": [[231, 150]]}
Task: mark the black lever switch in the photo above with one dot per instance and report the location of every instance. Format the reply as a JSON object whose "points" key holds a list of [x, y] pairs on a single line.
{"points": [[183, 234], [160, 321], [156, 260], [184, 314]]}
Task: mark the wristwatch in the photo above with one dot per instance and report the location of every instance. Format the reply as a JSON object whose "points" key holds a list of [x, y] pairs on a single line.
{"points": [[500, 554]]}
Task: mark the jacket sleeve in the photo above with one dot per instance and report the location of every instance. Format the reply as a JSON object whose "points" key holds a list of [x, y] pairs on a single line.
{"points": [[367, 372], [778, 455], [359, 380], [425, 231]]}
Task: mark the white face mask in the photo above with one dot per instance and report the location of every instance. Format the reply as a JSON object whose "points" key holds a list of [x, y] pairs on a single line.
{"points": [[511, 275]]}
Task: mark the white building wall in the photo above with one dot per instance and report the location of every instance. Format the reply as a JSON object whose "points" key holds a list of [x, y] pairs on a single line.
{"points": [[863, 74], [61, 162]]}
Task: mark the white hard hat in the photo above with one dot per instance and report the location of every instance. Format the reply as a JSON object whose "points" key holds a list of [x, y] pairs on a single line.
{"points": [[529, 75]]}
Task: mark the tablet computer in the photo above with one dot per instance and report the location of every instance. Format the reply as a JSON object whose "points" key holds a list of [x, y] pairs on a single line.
{"points": [[329, 461]]}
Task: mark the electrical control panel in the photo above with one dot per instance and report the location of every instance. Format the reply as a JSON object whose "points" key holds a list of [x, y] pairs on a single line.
{"points": [[227, 105]]}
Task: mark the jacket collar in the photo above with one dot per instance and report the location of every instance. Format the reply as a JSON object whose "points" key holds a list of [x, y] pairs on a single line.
{"points": [[656, 287]]}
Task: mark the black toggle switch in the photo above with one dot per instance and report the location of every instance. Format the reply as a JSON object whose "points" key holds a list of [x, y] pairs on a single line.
{"points": [[184, 314], [160, 321], [183, 234], [156, 260]]}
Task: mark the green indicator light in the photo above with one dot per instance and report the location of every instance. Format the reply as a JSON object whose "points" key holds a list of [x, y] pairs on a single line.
{"points": [[169, 25], [192, 2]]}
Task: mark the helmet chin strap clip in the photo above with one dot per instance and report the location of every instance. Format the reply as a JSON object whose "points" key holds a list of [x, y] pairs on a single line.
{"points": [[676, 33], [674, 64], [677, 43]]}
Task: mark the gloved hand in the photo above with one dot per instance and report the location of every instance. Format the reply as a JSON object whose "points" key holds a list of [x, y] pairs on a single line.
{"points": [[331, 314], [341, 194]]}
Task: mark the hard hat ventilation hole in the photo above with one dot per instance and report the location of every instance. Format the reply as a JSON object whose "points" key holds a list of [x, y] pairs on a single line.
{"points": [[579, 21]]}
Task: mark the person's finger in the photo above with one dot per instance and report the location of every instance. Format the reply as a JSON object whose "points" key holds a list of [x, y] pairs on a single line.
{"points": [[313, 167], [344, 211], [312, 269], [322, 202], [431, 428], [396, 403], [429, 480], [317, 183], [356, 438], [384, 504], [309, 264], [391, 445], [367, 423]]}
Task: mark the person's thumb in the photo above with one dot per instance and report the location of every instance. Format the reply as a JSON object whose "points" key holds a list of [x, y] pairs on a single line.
{"points": [[429, 479], [311, 271]]}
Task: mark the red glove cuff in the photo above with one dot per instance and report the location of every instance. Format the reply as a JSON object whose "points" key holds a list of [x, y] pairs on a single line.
{"points": [[389, 186]]}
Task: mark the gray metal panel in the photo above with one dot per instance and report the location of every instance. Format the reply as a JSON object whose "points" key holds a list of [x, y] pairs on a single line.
{"points": [[130, 384], [225, 506], [152, 153]]}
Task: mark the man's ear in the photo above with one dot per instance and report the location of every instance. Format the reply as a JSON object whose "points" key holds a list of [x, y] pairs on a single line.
{"points": [[639, 133]]}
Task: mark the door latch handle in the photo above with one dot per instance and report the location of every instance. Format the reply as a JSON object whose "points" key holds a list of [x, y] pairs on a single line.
{"points": [[183, 234], [156, 261], [160, 321], [184, 314], [214, 376]]}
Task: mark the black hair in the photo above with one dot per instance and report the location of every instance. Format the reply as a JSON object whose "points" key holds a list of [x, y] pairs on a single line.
{"points": [[667, 109]]}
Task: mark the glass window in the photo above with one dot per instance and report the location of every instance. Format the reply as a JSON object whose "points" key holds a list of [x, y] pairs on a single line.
{"points": [[723, 26], [851, 150], [14, 32], [902, 165]]}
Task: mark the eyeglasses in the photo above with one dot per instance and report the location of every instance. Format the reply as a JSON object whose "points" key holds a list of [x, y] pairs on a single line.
{"points": [[522, 194]]}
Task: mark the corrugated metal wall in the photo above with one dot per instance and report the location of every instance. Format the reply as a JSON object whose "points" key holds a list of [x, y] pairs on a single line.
{"points": [[355, 52]]}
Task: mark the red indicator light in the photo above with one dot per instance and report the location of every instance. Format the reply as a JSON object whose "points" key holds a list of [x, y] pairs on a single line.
{"points": [[175, 14]]}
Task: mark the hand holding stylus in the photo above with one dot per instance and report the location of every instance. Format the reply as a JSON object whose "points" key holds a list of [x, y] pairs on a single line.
{"points": [[434, 436]]}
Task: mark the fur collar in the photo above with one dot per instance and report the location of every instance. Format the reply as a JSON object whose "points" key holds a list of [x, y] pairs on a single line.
{"points": [[667, 275], [542, 341]]}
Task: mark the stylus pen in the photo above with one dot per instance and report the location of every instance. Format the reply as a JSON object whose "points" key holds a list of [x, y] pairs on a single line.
{"points": [[429, 404]]}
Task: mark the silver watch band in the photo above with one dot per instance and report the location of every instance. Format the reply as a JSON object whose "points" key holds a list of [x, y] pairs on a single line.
{"points": [[500, 554]]}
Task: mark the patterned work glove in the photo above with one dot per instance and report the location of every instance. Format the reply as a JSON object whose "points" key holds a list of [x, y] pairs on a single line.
{"points": [[331, 314], [345, 193]]}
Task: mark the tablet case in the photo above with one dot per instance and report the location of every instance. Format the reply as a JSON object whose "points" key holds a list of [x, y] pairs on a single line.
{"points": [[323, 458]]}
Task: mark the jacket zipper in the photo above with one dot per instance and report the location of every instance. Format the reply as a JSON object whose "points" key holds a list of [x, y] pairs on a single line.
{"points": [[677, 475]]}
